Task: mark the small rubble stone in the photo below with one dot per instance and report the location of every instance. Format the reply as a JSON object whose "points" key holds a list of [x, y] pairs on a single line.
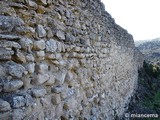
{"points": [[4, 106], [32, 4], [41, 31], [7, 23], [43, 2], [30, 58], [10, 37], [16, 70], [18, 114], [41, 9], [12, 85], [42, 68], [70, 38], [57, 89], [26, 44], [93, 118], [40, 55], [59, 110], [70, 104], [9, 44], [40, 79], [1, 87], [39, 45], [18, 101], [4, 52], [93, 111], [30, 68], [60, 77], [6, 57], [69, 76], [56, 99], [5, 115], [51, 81], [45, 101], [51, 45], [60, 35], [19, 57], [38, 92]]}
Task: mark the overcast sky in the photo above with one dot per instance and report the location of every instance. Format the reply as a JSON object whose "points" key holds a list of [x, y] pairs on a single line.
{"points": [[140, 17]]}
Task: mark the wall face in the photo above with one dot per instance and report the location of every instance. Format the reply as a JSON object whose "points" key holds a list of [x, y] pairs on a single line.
{"points": [[63, 60]]}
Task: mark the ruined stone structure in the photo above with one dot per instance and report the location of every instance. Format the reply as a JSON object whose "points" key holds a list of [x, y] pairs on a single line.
{"points": [[63, 60]]}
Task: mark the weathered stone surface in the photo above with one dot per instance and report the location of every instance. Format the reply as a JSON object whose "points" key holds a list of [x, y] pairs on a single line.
{"points": [[43, 2], [46, 102], [4, 51], [39, 45], [18, 114], [41, 31], [69, 76], [56, 99], [30, 67], [71, 61], [60, 35], [60, 77], [1, 87], [51, 80], [70, 38], [16, 70], [5, 115], [40, 79], [26, 44], [59, 110], [18, 101], [40, 55], [30, 58], [32, 4], [9, 44], [9, 37], [57, 89], [51, 45], [38, 92], [4, 106], [7, 23], [12, 85], [19, 57], [42, 68], [70, 104]]}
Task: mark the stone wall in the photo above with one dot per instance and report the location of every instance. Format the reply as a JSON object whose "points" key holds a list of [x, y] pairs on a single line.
{"points": [[63, 60]]}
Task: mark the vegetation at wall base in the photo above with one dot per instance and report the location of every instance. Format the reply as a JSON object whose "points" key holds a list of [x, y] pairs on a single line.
{"points": [[147, 97]]}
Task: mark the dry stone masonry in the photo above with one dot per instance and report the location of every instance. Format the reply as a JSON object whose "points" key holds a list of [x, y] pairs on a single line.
{"points": [[63, 60]]}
